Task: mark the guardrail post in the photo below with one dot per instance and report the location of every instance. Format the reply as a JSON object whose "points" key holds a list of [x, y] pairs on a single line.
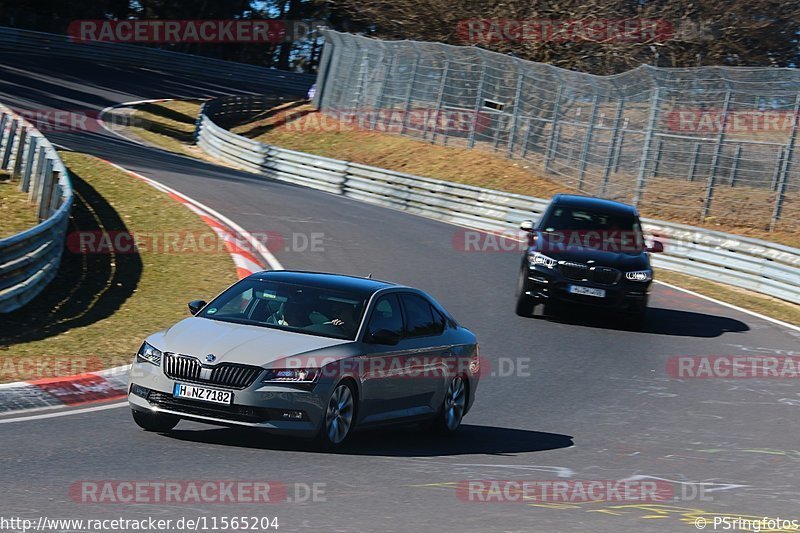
{"points": [[693, 163], [787, 165], [47, 189], [24, 183], [712, 173], [38, 174], [587, 140], [55, 195], [23, 138], [3, 122], [648, 141], [9, 145]]}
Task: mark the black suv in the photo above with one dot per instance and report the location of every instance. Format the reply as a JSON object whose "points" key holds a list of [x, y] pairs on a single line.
{"points": [[587, 251]]}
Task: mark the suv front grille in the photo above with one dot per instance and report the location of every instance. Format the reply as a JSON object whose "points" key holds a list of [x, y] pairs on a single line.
{"points": [[583, 272], [576, 271], [605, 275], [230, 375]]}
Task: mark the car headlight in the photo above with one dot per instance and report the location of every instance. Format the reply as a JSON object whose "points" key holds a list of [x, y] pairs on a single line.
{"points": [[639, 275], [537, 258], [148, 354], [292, 375]]}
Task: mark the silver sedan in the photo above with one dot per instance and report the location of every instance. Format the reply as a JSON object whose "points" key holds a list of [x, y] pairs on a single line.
{"points": [[308, 354]]}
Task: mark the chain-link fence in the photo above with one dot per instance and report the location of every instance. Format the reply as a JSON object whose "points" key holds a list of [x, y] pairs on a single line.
{"points": [[710, 144]]}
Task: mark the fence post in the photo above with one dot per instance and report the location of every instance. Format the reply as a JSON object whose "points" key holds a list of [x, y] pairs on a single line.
{"points": [[712, 173], [515, 118], [548, 156], [587, 140], [555, 138], [648, 138], [379, 102], [735, 166], [776, 174], [323, 70], [414, 69], [478, 104], [526, 139], [612, 146], [787, 165], [693, 164], [657, 158], [439, 99]]}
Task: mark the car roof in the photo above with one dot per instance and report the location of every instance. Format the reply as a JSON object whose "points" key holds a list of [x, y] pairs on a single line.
{"points": [[592, 202], [324, 280]]}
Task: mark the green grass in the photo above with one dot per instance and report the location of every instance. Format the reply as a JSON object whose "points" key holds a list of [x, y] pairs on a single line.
{"points": [[101, 306], [16, 213], [759, 303], [168, 125]]}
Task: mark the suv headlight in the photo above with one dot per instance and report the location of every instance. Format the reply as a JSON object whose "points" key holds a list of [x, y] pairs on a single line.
{"points": [[536, 258], [291, 375], [639, 275], [148, 354]]}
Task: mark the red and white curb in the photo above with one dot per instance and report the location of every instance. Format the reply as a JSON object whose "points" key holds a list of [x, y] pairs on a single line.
{"points": [[249, 255]]}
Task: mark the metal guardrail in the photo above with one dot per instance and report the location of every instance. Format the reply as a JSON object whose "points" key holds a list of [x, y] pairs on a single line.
{"points": [[30, 260], [753, 264], [21, 41]]}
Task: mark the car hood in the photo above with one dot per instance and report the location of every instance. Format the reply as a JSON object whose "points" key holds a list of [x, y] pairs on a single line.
{"points": [[236, 343]]}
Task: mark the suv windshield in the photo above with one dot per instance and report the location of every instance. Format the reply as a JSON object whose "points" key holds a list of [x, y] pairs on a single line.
{"points": [[290, 307], [589, 228]]}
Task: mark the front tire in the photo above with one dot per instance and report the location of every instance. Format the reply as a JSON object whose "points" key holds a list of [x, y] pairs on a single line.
{"points": [[339, 416], [158, 422]]}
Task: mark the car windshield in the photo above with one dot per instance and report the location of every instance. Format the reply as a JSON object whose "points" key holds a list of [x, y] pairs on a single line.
{"points": [[575, 223], [290, 307]]}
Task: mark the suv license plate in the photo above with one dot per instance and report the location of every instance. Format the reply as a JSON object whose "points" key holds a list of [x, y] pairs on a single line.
{"points": [[190, 392], [587, 291]]}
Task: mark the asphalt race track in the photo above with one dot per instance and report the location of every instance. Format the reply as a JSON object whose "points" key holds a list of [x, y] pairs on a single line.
{"points": [[586, 399]]}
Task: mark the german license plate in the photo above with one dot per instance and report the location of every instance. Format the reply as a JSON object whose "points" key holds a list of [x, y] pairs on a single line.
{"points": [[587, 291], [191, 392]]}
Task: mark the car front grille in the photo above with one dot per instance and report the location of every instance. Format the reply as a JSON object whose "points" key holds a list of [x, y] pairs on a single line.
{"points": [[230, 375], [576, 271], [234, 413], [605, 275], [584, 272]]}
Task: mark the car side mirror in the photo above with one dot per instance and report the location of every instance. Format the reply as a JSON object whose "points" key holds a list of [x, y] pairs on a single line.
{"points": [[526, 225], [383, 336], [656, 248], [196, 305]]}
